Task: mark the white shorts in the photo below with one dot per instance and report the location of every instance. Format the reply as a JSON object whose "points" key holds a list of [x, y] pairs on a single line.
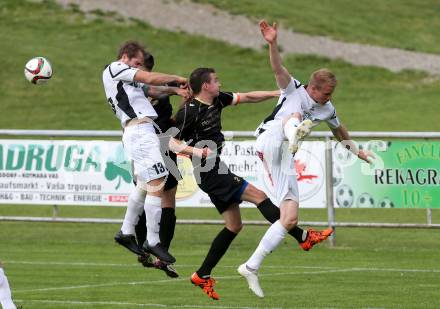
{"points": [[278, 164], [142, 147]]}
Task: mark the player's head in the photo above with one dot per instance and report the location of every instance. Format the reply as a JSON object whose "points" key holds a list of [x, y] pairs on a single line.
{"points": [[148, 61], [321, 85], [204, 79], [132, 54]]}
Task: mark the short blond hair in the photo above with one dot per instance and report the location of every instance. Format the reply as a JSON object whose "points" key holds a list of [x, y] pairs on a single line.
{"points": [[323, 77]]}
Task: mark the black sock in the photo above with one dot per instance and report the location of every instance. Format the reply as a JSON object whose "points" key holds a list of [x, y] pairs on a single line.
{"points": [[167, 226], [272, 214], [269, 210], [297, 233], [219, 246], [141, 230]]}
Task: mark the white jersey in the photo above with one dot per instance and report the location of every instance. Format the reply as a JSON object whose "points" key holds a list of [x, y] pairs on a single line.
{"points": [[125, 96], [295, 99]]}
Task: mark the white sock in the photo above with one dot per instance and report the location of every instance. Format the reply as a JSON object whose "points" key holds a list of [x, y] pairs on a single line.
{"points": [[153, 211], [290, 127], [135, 207], [5, 292], [273, 237]]}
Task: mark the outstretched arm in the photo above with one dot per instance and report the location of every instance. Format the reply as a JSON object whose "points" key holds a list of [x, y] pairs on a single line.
{"points": [[178, 146], [256, 96], [158, 79], [158, 92], [342, 135], [270, 33]]}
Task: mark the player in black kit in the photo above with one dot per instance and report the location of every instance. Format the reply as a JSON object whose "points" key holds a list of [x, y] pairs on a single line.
{"points": [[199, 122]]}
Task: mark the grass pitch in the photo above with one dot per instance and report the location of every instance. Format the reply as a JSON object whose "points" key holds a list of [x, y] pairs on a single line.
{"points": [[406, 24], [60, 265], [67, 265], [79, 46]]}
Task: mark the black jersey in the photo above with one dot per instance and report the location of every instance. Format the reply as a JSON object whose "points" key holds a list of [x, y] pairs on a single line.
{"points": [[164, 111], [198, 121]]}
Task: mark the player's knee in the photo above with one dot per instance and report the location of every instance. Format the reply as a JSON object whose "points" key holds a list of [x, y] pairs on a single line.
{"points": [[289, 221], [153, 187], [254, 195], [235, 228], [260, 195]]}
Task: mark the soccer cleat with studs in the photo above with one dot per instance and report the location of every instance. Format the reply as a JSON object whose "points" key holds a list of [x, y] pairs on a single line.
{"points": [[315, 237], [207, 285], [159, 251], [169, 270], [252, 279], [150, 261], [302, 130], [129, 242], [147, 260]]}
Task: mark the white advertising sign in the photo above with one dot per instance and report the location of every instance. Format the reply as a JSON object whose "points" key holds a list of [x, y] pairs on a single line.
{"points": [[72, 172], [242, 160]]}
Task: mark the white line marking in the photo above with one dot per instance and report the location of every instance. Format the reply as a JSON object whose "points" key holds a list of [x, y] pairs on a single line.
{"points": [[86, 286], [87, 303], [234, 277], [137, 265]]}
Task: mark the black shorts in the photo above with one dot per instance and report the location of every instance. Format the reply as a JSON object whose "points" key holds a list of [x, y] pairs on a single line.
{"points": [[224, 189]]}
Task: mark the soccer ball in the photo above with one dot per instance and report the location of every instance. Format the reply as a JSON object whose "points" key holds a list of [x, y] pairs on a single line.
{"points": [[342, 155], [344, 196], [38, 70], [365, 200], [338, 175], [386, 203]]}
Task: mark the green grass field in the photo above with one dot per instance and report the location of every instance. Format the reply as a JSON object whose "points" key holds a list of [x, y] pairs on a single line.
{"points": [[66, 265], [71, 265], [79, 46], [406, 24]]}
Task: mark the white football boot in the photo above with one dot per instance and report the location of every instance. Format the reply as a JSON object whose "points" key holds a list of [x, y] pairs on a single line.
{"points": [[301, 131], [252, 279]]}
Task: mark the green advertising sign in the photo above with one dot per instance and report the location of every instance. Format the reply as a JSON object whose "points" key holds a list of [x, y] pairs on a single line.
{"points": [[404, 174]]}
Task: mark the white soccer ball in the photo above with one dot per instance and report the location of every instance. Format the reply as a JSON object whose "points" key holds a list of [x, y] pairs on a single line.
{"points": [[365, 200], [38, 70], [386, 203], [344, 196]]}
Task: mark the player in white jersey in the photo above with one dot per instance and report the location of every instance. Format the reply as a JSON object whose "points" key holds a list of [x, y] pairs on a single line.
{"points": [[123, 83], [299, 108], [5, 291]]}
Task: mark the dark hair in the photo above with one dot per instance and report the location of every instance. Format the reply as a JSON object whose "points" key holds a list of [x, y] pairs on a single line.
{"points": [[148, 61], [198, 77], [131, 49]]}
